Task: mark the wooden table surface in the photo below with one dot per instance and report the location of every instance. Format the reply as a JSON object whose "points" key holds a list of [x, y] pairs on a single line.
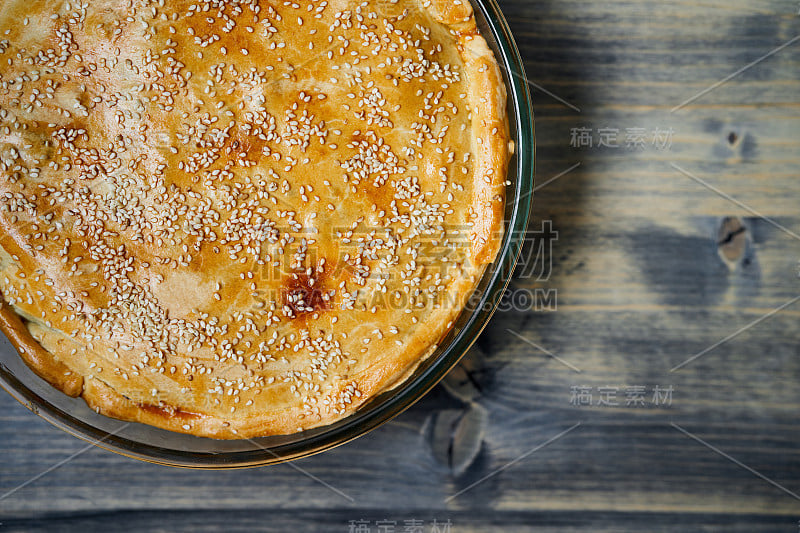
{"points": [[675, 235]]}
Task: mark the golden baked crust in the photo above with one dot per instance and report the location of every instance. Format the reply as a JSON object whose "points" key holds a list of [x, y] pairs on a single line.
{"points": [[242, 218]]}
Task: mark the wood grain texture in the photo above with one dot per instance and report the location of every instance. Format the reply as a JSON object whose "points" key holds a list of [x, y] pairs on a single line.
{"points": [[640, 286]]}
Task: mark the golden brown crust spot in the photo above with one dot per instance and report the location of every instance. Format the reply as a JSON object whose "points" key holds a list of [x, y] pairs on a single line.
{"points": [[456, 14]]}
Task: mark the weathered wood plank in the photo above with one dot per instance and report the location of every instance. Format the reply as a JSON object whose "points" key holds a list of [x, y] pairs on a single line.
{"points": [[314, 521]]}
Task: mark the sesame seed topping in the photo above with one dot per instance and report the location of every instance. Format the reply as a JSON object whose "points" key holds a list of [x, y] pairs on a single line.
{"points": [[242, 233]]}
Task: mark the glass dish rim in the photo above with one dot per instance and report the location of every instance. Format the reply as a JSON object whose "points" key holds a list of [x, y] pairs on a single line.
{"points": [[400, 399]]}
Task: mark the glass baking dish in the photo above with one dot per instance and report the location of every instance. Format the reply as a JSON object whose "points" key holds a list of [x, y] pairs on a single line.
{"points": [[155, 445]]}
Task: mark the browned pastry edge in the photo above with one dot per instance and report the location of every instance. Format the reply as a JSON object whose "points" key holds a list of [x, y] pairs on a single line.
{"points": [[42, 362]]}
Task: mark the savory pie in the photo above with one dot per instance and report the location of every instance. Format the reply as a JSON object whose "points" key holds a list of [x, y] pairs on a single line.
{"points": [[242, 218]]}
